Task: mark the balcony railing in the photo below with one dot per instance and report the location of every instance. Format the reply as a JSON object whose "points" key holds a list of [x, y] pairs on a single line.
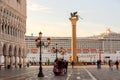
{"points": [[10, 38]]}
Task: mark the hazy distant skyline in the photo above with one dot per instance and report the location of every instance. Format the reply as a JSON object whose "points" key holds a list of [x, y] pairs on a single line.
{"points": [[51, 17]]}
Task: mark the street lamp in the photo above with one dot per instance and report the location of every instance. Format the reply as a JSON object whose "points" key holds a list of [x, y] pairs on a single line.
{"points": [[62, 51], [40, 43], [56, 50]]}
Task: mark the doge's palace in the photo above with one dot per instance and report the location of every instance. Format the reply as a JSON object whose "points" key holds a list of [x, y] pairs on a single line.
{"points": [[12, 33]]}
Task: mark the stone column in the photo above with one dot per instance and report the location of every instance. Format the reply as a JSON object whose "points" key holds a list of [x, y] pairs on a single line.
{"points": [[11, 61], [5, 61], [23, 61], [20, 61], [16, 63], [73, 22]]}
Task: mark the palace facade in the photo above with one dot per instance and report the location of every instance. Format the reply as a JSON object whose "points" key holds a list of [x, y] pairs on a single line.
{"points": [[12, 33]]}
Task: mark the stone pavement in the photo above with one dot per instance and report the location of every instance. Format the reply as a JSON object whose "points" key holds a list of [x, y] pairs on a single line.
{"points": [[78, 73], [105, 74]]}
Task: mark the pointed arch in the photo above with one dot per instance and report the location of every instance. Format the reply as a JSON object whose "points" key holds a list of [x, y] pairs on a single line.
{"points": [[10, 50], [15, 51], [19, 52], [4, 50]]}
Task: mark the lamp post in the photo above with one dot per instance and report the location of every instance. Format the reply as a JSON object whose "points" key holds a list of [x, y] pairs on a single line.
{"points": [[56, 50], [39, 44], [62, 51]]}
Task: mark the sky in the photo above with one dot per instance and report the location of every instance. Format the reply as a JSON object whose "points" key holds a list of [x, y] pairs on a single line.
{"points": [[51, 17]]}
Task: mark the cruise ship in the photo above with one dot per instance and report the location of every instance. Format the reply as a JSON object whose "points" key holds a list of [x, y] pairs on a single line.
{"points": [[89, 49]]}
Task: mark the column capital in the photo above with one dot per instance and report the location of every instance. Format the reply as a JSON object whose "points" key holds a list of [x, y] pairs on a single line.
{"points": [[73, 20]]}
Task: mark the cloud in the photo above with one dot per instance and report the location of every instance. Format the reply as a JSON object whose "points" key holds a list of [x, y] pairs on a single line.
{"points": [[38, 7]]}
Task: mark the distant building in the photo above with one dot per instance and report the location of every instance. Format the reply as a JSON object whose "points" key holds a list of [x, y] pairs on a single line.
{"points": [[107, 42], [12, 32]]}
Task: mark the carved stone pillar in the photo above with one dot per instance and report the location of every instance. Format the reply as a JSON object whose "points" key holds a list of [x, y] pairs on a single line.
{"points": [[23, 62], [16, 63], [5, 61], [20, 62], [11, 61], [73, 22]]}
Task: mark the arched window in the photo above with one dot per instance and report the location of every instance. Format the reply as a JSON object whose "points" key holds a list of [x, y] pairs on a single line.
{"points": [[8, 29]]}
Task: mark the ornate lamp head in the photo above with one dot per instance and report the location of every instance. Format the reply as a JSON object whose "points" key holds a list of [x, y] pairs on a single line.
{"points": [[48, 40], [37, 41], [40, 34]]}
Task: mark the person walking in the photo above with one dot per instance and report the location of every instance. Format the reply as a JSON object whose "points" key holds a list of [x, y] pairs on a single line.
{"points": [[66, 65], [99, 64], [117, 64], [72, 64], [110, 64], [27, 64]]}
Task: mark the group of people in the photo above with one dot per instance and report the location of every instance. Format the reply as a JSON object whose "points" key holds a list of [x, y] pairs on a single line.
{"points": [[110, 63], [60, 66]]}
